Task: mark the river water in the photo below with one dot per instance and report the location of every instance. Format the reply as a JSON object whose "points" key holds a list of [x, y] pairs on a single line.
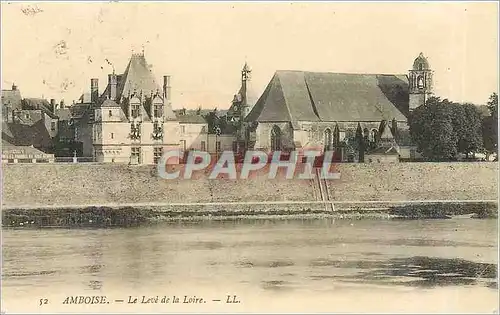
{"points": [[265, 265]]}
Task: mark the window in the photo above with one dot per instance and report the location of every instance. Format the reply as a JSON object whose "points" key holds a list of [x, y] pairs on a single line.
{"points": [[158, 112], [112, 135], [110, 113], [276, 138], [134, 110], [53, 126], [112, 160], [27, 116], [373, 135], [420, 66], [157, 153], [328, 139], [420, 82], [183, 129], [217, 146], [235, 146], [203, 146], [136, 154]]}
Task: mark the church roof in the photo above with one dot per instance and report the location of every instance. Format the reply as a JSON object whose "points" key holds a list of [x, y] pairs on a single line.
{"points": [[137, 77], [320, 96]]}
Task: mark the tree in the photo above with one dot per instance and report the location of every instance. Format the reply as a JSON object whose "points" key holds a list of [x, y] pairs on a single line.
{"points": [[490, 126], [212, 120], [467, 123], [493, 105], [431, 129], [360, 143], [441, 129]]}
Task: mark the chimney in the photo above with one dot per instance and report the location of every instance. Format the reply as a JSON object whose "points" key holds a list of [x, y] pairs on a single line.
{"points": [[112, 81], [14, 87], [53, 105], [94, 90], [166, 89], [61, 104]]}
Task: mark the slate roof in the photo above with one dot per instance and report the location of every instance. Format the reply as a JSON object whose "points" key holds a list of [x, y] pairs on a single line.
{"points": [[26, 135], [139, 78], [6, 130], [39, 103], [79, 110], [191, 119], [109, 103], [293, 96], [63, 113], [9, 148]]}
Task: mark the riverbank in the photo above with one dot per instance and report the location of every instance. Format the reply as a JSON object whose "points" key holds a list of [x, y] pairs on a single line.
{"points": [[119, 216], [101, 184]]}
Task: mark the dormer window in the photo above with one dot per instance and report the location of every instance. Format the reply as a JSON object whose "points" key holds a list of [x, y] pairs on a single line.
{"points": [[134, 110], [158, 110]]}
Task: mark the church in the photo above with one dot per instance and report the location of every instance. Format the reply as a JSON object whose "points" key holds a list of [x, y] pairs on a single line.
{"points": [[343, 112]]}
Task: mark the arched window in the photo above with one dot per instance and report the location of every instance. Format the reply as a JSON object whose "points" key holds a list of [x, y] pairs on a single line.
{"points": [[276, 138], [328, 139], [420, 66], [373, 135]]}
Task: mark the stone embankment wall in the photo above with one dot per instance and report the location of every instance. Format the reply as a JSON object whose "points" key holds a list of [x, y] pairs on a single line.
{"points": [[32, 185]]}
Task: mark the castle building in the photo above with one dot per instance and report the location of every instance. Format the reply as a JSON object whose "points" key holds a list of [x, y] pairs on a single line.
{"points": [[133, 118], [300, 109]]}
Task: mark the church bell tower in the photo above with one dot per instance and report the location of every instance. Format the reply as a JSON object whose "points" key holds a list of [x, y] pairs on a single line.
{"points": [[245, 78], [420, 82]]}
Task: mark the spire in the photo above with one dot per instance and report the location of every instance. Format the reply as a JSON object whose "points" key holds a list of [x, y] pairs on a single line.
{"points": [[246, 72]]}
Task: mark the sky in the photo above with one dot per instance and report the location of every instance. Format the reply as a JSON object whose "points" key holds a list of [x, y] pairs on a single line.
{"points": [[52, 50]]}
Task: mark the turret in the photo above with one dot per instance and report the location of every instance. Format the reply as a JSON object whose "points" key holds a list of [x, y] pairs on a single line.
{"points": [[420, 82]]}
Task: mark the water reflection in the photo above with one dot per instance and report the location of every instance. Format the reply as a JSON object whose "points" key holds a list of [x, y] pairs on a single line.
{"points": [[415, 271]]}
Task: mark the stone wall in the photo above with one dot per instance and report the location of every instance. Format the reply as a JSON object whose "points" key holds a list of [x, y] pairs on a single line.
{"points": [[97, 184]]}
